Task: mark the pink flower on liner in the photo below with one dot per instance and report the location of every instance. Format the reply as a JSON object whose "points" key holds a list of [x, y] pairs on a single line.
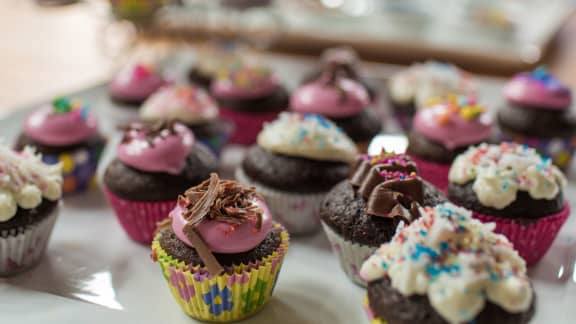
{"points": [[178, 280], [238, 278]]}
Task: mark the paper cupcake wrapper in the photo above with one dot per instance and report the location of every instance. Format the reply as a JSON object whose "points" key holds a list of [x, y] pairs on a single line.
{"points": [[246, 125], [435, 173], [22, 249], [235, 295], [139, 218], [532, 240], [351, 255], [300, 213], [559, 149], [370, 314]]}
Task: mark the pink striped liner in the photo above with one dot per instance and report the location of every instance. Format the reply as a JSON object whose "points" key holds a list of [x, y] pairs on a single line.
{"points": [[435, 173]]}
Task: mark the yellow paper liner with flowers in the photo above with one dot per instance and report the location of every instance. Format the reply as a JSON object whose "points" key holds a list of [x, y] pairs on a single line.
{"points": [[235, 295]]}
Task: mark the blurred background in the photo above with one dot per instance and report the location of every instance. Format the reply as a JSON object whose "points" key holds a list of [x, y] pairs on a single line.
{"points": [[50, 47]]}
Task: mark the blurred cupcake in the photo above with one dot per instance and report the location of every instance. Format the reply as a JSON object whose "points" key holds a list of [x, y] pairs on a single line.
{"points": [[210, 61], [442, 130], [408, 90], [364, 211], [192, 106], [154, 164], [448, 268], [66, 132], [248, 96], [220, 251], [539, 114], [135, 83], [297, 160], [343, 100], [30, 193], [514, 187]]}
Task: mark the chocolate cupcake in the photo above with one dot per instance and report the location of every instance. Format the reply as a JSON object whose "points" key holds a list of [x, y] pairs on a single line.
{"points": [[154, 164], [30, 192], [443, 129], [538, 113], [66, 132], [447, 267], [248, 96], [220, 252], [364, 211], [409, 90], [515, 188], [192, 106], [343, 100], [135, 83], [296, 162]]}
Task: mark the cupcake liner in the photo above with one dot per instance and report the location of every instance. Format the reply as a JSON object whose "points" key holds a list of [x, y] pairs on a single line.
{"points": [[370, 314], [300, 213], [351, 255], [235, 295], [246, 125], [531, 239], [139, 218], [21, 249], [559, 149], [435, 173]]}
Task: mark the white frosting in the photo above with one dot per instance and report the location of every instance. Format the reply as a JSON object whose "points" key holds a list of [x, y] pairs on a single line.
{"points": [[185, 103], [457, 261], [423, 81], [308, 136], [25, 180], [500, 171]]}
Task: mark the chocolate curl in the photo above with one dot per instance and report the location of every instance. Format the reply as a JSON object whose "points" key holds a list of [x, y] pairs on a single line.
{"points": [[372, 179], [214, 267], [360, 170], [412, 189], [388, 199]]}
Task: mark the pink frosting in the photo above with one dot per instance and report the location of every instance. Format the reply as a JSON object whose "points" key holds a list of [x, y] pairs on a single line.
{"points": [[538, 89], [221, 237], [164, 152], [136, 82], [245, 83], [346, 98], [59, 128]]}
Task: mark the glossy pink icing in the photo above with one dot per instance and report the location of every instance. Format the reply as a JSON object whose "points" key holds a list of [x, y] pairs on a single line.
{"points": [[136, 82], [345, 99], [221, 237], [245, 83], [52, 128], [538, 89], [165, 152]]}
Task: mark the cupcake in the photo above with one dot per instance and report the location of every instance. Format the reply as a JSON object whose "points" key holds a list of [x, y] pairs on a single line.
{"points": [[363, 212], [343, 100], [442, 130], [210, 62], [30, 193], [297, 160], [408, 90], [154, 164], [514, 187], [539, 114], [135, 83], [66, 132], [192, 106], [220, 252], [447, 267], [347, 61], [248, 96]]}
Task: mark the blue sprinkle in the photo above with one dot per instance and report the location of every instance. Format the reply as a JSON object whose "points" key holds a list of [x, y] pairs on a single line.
{"points": [[505, 185], [384, 265], [423, 232], [421, 249], [494, 277], [443, 246]]}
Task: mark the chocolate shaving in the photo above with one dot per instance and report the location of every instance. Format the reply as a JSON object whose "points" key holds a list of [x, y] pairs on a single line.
{"points": [[214, 267], [151, 131]]}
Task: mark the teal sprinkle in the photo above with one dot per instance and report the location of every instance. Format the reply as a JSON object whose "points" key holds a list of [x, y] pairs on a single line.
{"points": [[423, 232], [84, 112], [540, 73], [384, 265], [423, 250], [62, 105], [494, 277], [443, 246], [505, 185]]}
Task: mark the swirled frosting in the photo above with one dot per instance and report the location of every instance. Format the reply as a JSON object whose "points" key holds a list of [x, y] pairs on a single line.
{"points": [[453, 121], [185, 103], [457, 261], [422, 81], [136, 82], [500, 171], [25, 180], [63, 122], [307, 136], [245, 82], [162, 147], [538, 89]]}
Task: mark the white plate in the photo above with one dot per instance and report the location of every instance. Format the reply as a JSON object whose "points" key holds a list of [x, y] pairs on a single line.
{"points": [[93, 272]]}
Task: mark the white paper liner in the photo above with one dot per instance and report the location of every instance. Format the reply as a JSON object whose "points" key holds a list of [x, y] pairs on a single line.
{"points": [[351, 255], [299, 213], [22, 251]]}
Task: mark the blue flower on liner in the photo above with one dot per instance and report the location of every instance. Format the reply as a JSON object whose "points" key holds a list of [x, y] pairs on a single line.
{"points": [[218, 300]]}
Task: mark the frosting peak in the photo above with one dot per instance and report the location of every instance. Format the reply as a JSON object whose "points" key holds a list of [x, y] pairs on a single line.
{"points": [[457, 261], [538, 89], [63, 122], [245, 82], [307, 136]]}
